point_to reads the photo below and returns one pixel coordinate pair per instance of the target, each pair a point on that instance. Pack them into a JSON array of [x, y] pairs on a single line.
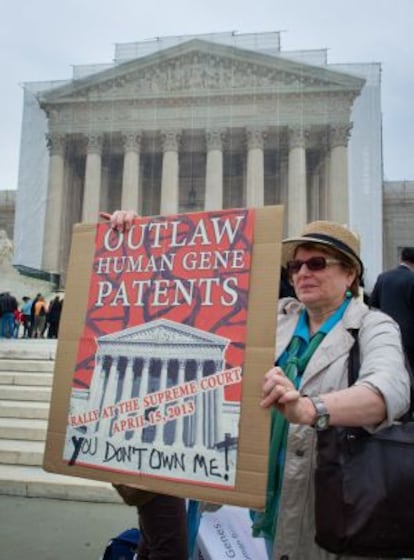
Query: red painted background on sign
[[135, 277]]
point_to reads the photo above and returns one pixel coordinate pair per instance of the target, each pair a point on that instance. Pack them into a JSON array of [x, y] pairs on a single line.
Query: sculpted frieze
[[195, 72]]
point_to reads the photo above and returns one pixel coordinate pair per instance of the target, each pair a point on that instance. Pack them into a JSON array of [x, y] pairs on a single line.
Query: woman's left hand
[[121, 220]]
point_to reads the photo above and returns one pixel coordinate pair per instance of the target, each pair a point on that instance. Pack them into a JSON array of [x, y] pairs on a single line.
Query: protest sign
[[166, 332]]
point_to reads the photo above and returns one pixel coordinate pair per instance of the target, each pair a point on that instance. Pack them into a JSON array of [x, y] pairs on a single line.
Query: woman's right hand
[[121, 220], [277, 389], [280, 392]]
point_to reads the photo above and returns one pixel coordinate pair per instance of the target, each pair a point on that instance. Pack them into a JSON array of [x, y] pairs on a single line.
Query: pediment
[[200, 68], [161, 332]]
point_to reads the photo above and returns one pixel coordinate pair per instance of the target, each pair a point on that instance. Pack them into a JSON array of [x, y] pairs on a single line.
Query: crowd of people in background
[[32, 318]]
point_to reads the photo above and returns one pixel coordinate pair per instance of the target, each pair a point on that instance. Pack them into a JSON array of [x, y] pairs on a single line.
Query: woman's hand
[[279, 391], [121, 220], [277, 388]]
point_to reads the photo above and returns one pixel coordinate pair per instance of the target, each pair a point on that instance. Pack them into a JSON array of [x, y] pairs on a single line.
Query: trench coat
[[382, 367]]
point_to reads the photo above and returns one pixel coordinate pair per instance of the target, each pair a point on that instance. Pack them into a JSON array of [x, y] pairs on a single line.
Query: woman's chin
[[307, 296]]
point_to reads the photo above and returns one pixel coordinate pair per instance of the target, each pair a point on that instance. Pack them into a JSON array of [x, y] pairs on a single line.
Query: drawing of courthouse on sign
[[157, 405]]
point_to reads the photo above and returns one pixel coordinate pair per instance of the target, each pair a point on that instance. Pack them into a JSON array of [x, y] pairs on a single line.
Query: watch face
[[322, 422]]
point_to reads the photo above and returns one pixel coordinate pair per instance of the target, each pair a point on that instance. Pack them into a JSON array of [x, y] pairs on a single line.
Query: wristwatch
[[322, 414]]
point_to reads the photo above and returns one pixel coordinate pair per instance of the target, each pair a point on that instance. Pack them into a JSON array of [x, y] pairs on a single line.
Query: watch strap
[[322, 413]]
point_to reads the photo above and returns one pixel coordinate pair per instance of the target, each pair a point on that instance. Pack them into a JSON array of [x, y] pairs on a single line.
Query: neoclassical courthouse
[[179, 124]]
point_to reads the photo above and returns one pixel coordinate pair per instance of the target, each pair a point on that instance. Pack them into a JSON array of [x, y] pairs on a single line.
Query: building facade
[[200, 123], [398, 220]]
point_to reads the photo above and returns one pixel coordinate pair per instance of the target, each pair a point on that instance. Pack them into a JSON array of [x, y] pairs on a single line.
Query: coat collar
[[336, 343]]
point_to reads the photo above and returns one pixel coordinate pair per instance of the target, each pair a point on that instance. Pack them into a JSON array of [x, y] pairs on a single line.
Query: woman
[[308, 388]]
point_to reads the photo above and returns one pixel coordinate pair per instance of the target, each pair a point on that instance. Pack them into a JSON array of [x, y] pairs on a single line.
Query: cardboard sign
[[157, 382], [165, 336]]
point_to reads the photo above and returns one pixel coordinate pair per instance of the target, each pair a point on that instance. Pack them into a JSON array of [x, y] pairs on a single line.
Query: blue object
[[122, 547]]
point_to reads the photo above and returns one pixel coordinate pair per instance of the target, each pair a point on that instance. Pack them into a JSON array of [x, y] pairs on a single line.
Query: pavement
[[42, 529]]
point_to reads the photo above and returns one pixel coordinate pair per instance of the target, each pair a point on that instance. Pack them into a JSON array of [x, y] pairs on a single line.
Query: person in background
[[17, 322], [40, 311], [8, 305], [162, 519], [393, 293], [53, 317], [307, 389], [162, 523], [32, 314], [46, 325], [26, 309]]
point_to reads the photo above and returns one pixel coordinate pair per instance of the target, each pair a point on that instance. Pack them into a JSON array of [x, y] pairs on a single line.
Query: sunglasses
[[314, 264]]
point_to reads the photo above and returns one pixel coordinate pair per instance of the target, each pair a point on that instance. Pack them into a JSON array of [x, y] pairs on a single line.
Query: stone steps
[[23, 429], [26, 393], [21, 452], [26, 377], [21, 409], [37, 366]]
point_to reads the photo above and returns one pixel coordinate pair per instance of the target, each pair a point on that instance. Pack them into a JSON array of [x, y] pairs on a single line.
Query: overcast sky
[[42, 39]]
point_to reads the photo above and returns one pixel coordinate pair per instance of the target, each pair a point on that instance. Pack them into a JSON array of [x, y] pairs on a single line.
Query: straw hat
[[329, 234]]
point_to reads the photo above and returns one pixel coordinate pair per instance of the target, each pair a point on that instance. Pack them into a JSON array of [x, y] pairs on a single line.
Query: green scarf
[[264, 523]]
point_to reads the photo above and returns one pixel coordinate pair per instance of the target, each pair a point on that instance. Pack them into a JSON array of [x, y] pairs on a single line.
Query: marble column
[[324, 178], [105, 197], [255, 166], [170, 172], [338, 199], [315, 182], [131, 172], [284, 187], [93, 179], [54, 204], [214, 170], [297, 203]]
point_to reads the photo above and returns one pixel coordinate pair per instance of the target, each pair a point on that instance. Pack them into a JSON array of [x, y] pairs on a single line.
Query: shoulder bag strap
[[354, 364]]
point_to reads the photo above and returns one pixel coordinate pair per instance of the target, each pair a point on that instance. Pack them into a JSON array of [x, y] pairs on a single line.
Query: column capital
[[255, 136], [339, 135], [132, 141], [170, 140], [323, 141], [56, 143], [297, 136], [215, 138], [94, 143]]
